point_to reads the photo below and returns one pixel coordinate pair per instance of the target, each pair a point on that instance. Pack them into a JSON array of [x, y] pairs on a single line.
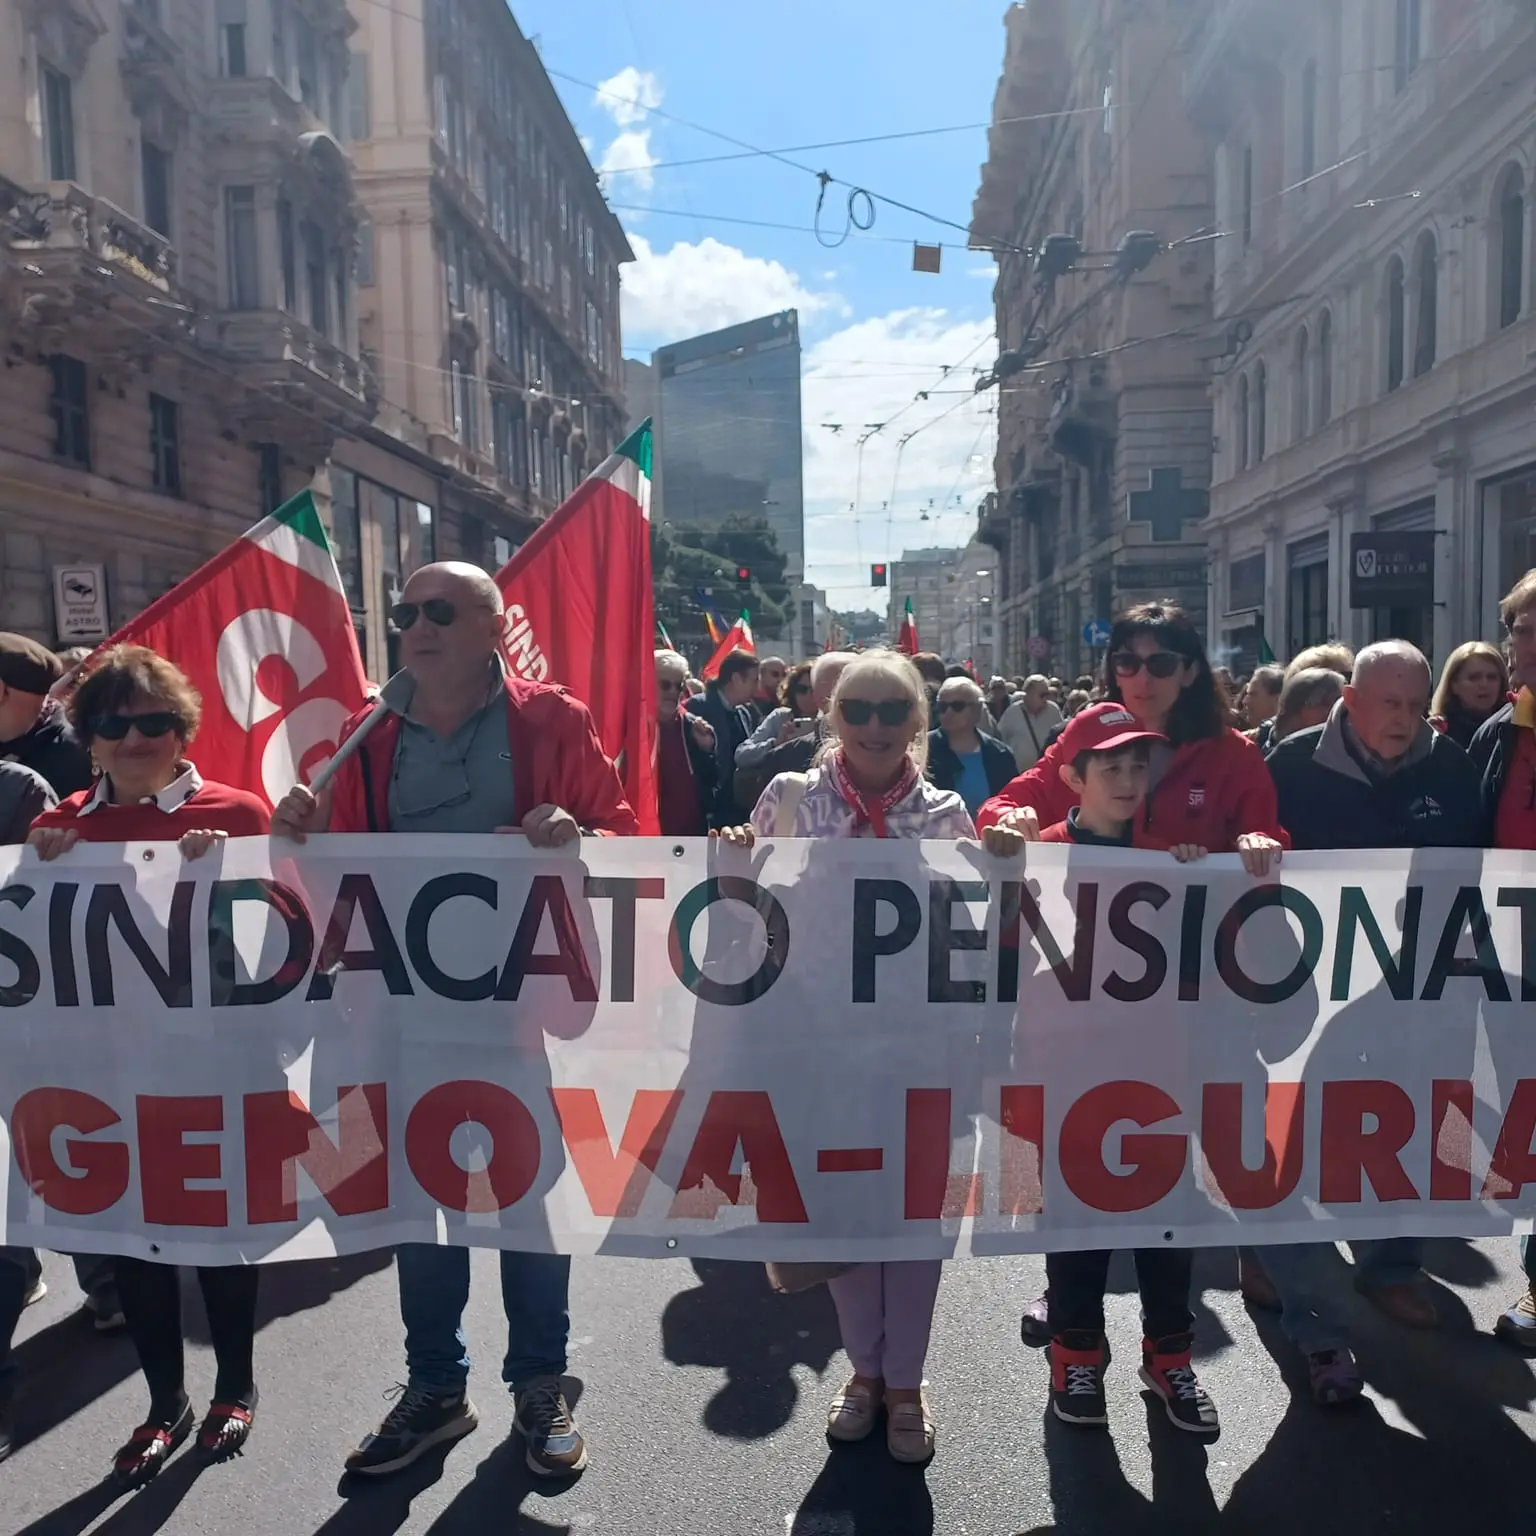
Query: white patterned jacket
[[822, 812]]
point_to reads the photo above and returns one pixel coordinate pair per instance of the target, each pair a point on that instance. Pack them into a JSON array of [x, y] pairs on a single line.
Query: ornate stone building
[[1375, 471], [1094, 176], [177, 302]]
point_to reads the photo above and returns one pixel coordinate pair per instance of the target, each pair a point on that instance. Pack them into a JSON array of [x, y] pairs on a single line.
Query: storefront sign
[[1153, 576], [1391, 570]]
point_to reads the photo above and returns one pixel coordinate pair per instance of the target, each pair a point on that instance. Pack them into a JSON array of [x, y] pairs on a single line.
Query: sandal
[[226, 1427], [148, 1449]]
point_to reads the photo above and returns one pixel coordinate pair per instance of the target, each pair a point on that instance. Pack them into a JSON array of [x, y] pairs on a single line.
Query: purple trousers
[[885, 1312]]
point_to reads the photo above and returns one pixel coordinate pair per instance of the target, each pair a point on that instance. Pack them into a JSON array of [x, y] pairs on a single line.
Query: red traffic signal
[[877, 575], [743, 576]]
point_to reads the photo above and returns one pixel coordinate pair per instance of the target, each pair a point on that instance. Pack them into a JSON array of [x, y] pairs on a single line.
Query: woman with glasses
[[686, 770], [136, 713], [1209, 787], [868, 782]]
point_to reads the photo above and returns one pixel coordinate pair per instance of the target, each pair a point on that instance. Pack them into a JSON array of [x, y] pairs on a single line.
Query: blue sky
[[874, 331]]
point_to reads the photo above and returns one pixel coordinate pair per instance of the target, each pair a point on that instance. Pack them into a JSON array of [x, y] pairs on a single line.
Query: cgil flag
[[264, 632], [579, 612], [906, 639], [737, 638]]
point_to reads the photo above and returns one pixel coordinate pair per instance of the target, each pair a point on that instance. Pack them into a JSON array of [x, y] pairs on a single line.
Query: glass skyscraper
[[729, 441]]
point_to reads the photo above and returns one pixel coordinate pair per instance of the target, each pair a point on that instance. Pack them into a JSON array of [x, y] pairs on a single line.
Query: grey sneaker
[[419, 1420], [543, 1419]]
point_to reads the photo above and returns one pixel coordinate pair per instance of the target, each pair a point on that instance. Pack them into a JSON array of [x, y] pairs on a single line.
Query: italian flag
[[906, 639], [264, 632], [737, 638], [579, 612]]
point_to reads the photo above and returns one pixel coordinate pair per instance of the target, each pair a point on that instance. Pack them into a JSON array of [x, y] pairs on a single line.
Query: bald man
[[471, 749]]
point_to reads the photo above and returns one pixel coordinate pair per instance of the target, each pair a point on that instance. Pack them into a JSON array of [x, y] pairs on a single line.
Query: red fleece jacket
[[1213, 791], [556, 760]]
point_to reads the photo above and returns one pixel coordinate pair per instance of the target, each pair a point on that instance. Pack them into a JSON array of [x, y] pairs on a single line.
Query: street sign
[[1391, 570], [1038, 647], [80, 602], [1096, 634]]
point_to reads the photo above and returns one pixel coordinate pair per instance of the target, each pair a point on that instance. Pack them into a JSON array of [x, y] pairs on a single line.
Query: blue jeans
[[434, 1289], [1313, 1316]]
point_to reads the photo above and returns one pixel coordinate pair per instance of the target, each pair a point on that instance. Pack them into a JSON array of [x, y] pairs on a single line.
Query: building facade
[[729, 431], [1375, 467], [972, 598], [1095, 177], [177, 296], [929, 580], [489, 291]]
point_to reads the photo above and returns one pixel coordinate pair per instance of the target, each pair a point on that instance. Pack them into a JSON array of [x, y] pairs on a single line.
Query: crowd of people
[[1163, 751]]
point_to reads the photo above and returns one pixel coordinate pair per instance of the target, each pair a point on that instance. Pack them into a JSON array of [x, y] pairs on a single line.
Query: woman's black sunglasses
[[438, 609], [1159, 663], [886, 711], [157, 723]]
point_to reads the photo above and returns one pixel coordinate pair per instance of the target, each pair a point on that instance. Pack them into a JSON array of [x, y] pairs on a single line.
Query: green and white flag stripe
[[295, 535]]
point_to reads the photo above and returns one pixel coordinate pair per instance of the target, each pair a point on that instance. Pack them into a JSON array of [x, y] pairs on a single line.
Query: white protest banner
[[815, 1050]]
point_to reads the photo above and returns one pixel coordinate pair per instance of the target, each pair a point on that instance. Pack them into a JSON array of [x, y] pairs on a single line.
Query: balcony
[[74, 260], [293, 373]]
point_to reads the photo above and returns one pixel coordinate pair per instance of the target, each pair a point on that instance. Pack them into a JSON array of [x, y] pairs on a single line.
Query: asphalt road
[[702, 1397]]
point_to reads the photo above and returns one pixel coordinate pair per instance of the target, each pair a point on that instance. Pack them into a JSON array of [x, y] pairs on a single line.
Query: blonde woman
[[868, 782], [1473, 687]]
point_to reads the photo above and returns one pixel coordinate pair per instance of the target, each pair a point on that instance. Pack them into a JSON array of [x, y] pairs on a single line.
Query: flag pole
[[394, 697]]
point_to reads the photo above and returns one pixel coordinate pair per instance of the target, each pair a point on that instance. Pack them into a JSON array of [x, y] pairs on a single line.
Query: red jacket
[[1213, 791], [556, 760]]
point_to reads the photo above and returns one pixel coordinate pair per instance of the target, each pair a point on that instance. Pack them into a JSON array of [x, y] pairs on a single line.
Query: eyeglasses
[[886, 711], [668, 685], [437, 610], [1159, 663], [955, 706], [152, 725]]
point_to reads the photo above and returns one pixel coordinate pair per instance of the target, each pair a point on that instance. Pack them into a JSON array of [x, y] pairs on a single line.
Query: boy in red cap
[[1109, 775]]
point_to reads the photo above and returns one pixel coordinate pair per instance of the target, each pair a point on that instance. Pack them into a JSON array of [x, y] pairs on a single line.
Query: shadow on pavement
[[501, 1484], [862, 1485], [146, 1512], [733, 1321]]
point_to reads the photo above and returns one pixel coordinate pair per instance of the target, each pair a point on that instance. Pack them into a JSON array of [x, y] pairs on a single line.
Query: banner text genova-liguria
[[818, 1050]]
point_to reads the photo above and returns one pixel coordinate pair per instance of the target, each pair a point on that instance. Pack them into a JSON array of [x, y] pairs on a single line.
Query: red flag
[[579, 612], [264, 632], [737, 638], [906, 640]]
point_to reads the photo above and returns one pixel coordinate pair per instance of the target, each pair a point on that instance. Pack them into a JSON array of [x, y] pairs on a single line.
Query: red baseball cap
[[1102, 728]]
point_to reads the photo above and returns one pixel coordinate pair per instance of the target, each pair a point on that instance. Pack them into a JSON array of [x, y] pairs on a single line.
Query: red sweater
[[556, 760], [212, 808], [1212, 791]]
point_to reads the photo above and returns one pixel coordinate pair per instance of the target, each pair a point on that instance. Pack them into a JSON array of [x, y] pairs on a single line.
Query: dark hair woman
[[1209, 783], [795, 691], [135, 713]]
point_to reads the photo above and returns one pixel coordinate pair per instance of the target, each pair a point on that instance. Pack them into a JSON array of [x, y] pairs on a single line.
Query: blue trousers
[[434, 1290], [1313, 1316]]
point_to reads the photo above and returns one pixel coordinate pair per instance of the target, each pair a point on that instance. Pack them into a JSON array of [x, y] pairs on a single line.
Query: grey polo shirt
[[457, 783]]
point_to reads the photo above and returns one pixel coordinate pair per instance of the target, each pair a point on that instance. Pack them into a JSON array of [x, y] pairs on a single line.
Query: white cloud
[[689, 289], [866, 373], [630, 153], [629, 96]]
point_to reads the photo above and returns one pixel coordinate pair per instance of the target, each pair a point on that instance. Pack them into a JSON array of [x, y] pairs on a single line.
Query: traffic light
[[743, 578], [877, 575]]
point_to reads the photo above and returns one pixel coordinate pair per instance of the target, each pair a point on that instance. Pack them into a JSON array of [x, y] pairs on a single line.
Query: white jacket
[[1026, 734]]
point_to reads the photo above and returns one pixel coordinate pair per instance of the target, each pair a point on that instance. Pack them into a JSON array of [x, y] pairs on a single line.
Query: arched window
[[1509, 246], [1325, 368], [1301, 388], [1395, 299], [1242, 422], [1260, 413], [1426, 282]]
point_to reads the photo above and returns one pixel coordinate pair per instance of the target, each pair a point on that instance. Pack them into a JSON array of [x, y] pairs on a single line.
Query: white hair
[[1384, 651], [961, 685], [890, 666], [1036, 678], [672, 663], [826, 662]]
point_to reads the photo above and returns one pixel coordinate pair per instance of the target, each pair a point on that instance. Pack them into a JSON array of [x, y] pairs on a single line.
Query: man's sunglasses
[[1159, 663], [438, 610], [668, 685], [886, 711], [158, 722], [955, 706]]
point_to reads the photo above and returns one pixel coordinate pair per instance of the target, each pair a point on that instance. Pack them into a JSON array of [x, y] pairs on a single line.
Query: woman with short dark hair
[[136, 713]]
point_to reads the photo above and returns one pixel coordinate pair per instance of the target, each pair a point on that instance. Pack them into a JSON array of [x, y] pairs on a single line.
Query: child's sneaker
[[1166, 1370], [1077, 1378]]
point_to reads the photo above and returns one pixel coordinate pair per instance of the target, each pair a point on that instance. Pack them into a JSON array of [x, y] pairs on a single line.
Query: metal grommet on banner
[[671, 1242], [154, 1247], [147, 855], [1167, 1237], [677, 850]]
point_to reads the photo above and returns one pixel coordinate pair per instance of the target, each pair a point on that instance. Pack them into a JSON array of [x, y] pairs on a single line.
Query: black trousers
[[151, 1297], [1076, 1281]]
